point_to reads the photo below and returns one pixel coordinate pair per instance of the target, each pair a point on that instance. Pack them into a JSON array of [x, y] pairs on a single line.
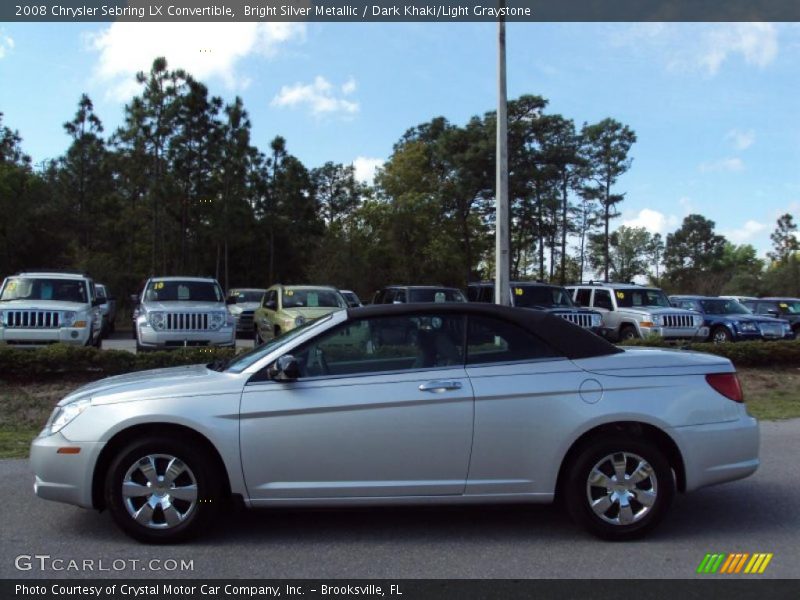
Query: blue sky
[[715, 106]]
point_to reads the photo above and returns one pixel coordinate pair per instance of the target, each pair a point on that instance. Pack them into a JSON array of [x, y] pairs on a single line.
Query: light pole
[[502, 245]]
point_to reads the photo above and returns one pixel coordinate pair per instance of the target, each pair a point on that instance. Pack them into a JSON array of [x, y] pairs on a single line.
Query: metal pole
[[502, 264]]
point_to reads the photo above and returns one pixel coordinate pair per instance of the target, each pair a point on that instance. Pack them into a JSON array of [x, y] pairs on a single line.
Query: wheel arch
[[636, 430], [125, 436]]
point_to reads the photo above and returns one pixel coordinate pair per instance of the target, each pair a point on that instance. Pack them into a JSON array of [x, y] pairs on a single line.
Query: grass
[[771, 394]]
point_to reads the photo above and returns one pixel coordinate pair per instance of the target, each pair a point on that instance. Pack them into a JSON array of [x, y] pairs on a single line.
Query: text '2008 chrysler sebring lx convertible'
[[404, 404]]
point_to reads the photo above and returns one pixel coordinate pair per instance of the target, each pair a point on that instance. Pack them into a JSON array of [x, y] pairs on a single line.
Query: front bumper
[[64, 477], [719, 452], [18, 336], [677, 333], [150, 338]]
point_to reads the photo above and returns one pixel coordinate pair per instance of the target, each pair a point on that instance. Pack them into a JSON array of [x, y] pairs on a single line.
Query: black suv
[[540, 296], [783, 308]]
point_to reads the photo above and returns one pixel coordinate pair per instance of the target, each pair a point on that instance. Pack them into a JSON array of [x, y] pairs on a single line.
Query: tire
[[721, 335], [162, 516], [628, 332], [257, 341], [276, 332], [592, 473]]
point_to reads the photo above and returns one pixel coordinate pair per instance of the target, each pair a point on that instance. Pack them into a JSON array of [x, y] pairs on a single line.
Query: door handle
[[439, 386]]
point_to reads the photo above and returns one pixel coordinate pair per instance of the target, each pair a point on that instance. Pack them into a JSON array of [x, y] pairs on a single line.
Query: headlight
[[68, 318], [300, 320], [217, 319], [698, 321], [63, 415], [597, 320], [658, 320], [2, 318], [787, 327], [746, 326], [156, 319]]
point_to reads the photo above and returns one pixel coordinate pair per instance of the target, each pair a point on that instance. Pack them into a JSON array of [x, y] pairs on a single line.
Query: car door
[[364, 419], [523, 392]]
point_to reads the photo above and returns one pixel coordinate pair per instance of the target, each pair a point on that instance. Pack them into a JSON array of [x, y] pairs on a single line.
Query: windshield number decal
[[158, 285], [621, 295], [518, 291]]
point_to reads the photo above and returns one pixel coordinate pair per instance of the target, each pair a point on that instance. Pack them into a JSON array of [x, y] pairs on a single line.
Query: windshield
[[723, 307], [790, 306], [631, 298], [532, 296], [436, 295], [242, 361], [352, 299], [34, 288], [312, 298], [182, 291], [243, 296]]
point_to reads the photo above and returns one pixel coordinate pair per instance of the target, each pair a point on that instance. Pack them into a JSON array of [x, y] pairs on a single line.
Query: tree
[[655, 252], [628, 252], [691, 254], [605, 147], [338, 192], [784, 239], [10, 150]]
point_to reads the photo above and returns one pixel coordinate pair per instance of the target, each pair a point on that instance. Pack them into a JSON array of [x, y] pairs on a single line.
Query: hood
[[184, 306], [43, 305], [658, 310], [157, 383], [651, 362], [310, 312], [243, 306], [566, 310], [746, 318]]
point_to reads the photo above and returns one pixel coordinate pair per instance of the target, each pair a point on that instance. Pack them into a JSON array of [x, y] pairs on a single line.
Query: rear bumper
[[719, 452], [64, 477]]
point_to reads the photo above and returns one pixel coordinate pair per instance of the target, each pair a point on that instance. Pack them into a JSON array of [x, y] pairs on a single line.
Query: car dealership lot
[[758, 514]]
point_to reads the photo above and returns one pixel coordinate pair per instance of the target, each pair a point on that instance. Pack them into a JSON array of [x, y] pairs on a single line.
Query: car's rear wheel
[[162, 490], [618, 488], [628, 332], [721, 335]]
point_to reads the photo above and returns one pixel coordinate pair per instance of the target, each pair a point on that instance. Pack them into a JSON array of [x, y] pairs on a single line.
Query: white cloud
[[6, 44], [365, 168], [320, 97], [653, 220], [205, 50], [757, 43], [741, 140], [729, 165], [746, 232]]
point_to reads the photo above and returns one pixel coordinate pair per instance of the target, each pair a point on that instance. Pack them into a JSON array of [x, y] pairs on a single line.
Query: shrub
[[78, 362], [742, 354]]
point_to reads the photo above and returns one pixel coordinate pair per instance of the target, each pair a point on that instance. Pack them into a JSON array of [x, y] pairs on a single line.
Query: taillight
[[726, 384]]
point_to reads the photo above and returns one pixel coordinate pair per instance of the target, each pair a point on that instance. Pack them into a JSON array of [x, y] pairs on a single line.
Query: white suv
[[42, 308], [183, 311]]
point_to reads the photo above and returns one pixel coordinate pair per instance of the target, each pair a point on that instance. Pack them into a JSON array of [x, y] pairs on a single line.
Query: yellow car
[[285, 307]]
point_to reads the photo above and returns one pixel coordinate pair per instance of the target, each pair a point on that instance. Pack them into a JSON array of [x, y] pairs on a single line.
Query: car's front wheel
[[618, 488], [721, 335], [162, 490]]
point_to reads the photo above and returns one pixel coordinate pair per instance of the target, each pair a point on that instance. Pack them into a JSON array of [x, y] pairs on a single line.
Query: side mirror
[[230, 300], [285, 369], [134, 298]]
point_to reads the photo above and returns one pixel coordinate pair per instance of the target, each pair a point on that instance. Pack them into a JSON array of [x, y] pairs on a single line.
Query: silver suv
[[41, 308], [183, 311], [632, 311]]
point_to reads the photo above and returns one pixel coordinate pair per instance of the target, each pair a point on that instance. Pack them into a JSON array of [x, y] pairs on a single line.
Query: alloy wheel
[[621, 488], [159, 491]]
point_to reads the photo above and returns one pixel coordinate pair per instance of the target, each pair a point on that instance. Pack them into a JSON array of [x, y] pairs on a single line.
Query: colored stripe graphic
[[735, 563]]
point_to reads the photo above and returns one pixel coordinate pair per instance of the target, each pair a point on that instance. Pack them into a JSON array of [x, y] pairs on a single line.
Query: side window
[[271, 296], [400, 296], [473, 293], [491, 340], [583, 297], [385, 344], [602, 299]]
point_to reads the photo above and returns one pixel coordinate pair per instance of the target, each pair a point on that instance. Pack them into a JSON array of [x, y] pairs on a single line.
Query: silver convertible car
[[404, 404]]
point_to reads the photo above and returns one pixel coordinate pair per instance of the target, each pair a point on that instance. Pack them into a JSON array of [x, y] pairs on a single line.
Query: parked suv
[[242, 303], [541, 296], [632, 311], [183, 311], [402, 294], [41, 308], [730, 321], [783, 308], [108, 309]]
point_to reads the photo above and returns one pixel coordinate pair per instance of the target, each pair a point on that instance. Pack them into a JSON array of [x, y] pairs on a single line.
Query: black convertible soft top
[[570, 340]]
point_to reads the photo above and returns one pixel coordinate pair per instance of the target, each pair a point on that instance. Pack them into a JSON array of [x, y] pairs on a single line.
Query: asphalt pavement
[[758, 514]]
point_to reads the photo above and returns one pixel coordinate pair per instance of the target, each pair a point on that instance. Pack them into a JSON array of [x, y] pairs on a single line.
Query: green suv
[[285, 307]]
